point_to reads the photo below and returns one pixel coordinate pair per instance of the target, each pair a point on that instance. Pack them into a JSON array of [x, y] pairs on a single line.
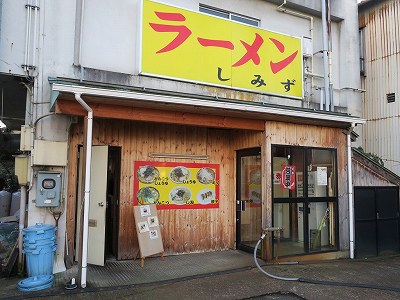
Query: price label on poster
[[176, 185]]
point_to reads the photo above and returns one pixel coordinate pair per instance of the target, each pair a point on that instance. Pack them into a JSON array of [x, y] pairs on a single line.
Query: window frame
[[361, 35], [225, 14]]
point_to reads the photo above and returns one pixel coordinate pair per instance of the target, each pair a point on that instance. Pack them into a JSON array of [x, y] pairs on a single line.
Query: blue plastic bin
[[40, 261], [40, 244], [39, 249], [36, 283], [38, 232]]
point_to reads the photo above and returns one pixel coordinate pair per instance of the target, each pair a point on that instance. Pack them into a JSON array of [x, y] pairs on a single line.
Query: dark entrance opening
[[112, 212], [376, 212]]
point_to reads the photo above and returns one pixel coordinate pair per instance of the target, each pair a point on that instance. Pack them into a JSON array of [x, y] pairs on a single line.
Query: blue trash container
[[39, 249], [38, 232], [36, 283]]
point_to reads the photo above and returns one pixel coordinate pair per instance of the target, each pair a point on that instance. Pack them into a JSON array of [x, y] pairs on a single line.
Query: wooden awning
[[126, 104]]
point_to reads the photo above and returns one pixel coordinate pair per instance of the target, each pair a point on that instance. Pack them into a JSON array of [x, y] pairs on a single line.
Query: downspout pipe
[[87, 188], [328, 17], [325, 53], [28, 34], [22, 209], [350, 191]]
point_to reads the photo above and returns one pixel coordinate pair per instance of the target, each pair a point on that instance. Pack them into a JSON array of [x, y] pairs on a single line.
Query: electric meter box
[[48, 189]]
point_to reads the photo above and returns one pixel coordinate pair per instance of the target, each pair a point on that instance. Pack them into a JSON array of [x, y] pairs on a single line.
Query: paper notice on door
[[322, 176]]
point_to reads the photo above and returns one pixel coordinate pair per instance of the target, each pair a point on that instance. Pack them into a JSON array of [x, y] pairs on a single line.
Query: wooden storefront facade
[[139, 131]]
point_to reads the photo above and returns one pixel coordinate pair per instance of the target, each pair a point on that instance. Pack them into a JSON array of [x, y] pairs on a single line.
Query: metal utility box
[[25, 142], [21, 169], [48, 189], [49, 153]]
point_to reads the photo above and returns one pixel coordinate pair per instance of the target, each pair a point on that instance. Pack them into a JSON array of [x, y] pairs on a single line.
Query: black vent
[[391, 97]]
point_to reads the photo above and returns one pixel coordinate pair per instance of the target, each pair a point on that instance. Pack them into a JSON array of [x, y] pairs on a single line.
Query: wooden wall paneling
[[128, 243], [135, 141], [273, 132], [305, 136], [342, 190], [290, 134], [71, 189], [220, 152], [246, 139], [179, 139], [266, 202], [153, 135], [270, 138], [182, 230], [326, 137], [363, 176]]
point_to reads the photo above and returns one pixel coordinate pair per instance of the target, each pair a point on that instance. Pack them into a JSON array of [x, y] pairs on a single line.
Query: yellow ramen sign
[[192, 46]]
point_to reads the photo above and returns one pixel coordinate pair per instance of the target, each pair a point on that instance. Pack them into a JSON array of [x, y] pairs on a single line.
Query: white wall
[[110, 35], [12, 36]]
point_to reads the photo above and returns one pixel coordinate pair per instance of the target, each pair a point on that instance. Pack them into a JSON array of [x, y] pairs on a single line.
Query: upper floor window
[[229, 15], [361, 33]]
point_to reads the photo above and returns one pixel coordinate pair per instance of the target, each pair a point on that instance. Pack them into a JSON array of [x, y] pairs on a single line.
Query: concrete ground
[[226, 275]]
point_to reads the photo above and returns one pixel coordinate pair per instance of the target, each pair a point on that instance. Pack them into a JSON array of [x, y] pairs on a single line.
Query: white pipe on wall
[[28, 33], [87, 188], [35, 20], [321, 99], [325, 54], [350, 192], [328, 7], [22, 209]]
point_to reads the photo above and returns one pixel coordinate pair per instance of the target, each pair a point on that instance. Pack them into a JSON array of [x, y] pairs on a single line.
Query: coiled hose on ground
[[323, 282]]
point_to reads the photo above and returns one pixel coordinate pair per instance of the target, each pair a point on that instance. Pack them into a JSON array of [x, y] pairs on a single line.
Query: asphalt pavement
[[376, 278]]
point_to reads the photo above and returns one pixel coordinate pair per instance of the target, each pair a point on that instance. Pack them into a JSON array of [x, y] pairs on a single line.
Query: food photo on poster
[[172, 185]]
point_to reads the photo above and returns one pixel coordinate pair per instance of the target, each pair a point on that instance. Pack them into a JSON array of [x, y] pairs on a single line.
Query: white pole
[[22, 208], [350, 191], [325, 54], [27, 30], [35, 37], [87, 189]]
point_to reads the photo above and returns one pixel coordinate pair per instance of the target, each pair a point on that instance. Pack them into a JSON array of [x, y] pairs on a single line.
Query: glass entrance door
[[248, 198]]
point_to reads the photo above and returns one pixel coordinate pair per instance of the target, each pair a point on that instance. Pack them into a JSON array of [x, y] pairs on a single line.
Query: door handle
[[101, 204]]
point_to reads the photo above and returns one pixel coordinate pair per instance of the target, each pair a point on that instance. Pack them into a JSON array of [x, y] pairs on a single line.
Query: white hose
[[266, 273]]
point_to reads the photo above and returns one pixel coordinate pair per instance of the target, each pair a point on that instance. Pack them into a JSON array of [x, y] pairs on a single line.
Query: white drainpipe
[[87, 188], [325, 53], [28, 34], [350, 191], [36, 9], [22, 209]]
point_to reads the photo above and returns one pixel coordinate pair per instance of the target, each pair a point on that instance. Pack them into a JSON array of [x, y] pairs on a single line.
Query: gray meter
[[48, 189]]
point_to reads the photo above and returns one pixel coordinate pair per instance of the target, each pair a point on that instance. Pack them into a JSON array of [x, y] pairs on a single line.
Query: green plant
[[372, 156], [8, 180]]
